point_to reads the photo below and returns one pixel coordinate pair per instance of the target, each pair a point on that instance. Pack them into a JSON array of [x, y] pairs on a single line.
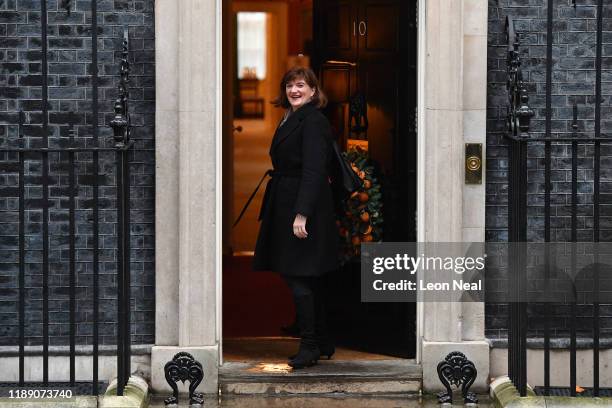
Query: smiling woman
[[298, 237]]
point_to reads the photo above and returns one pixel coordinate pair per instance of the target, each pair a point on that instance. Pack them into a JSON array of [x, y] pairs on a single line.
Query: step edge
[[311, 379], [330, 388]]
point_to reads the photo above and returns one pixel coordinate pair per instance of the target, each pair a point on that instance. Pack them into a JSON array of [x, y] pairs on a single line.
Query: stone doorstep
[[317, 401], [350, 377]]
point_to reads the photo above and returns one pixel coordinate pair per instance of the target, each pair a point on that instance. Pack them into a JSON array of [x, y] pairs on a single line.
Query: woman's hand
[[299, 226]]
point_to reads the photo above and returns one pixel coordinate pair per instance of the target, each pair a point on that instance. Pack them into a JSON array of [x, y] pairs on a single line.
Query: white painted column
[[453, 74], [166, 174], [197, 114], [186, 77], [475, 13], [443, 147]]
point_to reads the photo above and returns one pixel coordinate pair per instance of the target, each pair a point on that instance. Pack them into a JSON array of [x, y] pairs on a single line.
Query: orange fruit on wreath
[[355, 240], [367, 238], [367, 183], [364, 216], [363, 197]]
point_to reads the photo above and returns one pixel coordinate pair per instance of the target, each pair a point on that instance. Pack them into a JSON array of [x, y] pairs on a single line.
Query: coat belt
[[284, 172], [275, 174]]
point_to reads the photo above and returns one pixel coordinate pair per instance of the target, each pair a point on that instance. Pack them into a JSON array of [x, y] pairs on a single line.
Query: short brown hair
[[318, 99]]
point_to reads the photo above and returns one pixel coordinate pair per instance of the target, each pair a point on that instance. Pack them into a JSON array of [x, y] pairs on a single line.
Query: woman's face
[[298, 92]]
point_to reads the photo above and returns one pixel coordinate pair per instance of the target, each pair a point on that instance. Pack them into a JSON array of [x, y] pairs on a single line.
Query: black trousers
[[309, 300], [303, 285]]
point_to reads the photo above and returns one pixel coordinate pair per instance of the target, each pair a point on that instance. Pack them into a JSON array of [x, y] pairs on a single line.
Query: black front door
[[367, 49]]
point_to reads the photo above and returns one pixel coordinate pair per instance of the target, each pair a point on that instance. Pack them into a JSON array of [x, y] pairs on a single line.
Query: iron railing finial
[[519, 112], [121, 123]]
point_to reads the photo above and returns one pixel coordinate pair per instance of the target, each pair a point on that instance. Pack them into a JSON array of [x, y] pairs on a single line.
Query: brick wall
[[573, 81], [70, 101]]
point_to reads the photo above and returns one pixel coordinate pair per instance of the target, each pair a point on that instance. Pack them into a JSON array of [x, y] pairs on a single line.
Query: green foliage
[[362, 219]]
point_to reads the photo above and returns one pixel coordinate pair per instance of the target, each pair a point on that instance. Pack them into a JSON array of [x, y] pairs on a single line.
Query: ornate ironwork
[[457, 370], [358, 114], [67, 4], [183, 367], [519, 112], [121, 123]]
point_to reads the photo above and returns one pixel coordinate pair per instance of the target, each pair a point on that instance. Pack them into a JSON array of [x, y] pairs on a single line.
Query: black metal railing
[[60, 153], [520, 142]]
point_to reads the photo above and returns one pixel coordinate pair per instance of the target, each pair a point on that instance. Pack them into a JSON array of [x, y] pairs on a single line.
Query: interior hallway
[[251, 160]]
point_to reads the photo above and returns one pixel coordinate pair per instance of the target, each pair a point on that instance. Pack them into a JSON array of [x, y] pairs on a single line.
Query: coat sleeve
[[315, 135]]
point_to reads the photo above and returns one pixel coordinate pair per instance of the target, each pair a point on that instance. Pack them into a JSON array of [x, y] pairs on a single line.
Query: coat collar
[[291, 124]]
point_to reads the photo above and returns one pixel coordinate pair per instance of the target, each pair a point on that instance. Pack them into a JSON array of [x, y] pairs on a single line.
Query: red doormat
[[254, 303]]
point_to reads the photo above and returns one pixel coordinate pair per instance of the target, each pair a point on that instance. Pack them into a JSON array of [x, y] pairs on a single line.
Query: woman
[[298, 237]]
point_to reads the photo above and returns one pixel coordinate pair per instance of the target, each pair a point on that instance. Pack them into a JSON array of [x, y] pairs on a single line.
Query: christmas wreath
[[361, 219]]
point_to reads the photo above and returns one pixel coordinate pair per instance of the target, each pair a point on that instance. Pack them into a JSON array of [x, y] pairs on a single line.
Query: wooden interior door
[[335, 26], [387, 77], [379, 59]]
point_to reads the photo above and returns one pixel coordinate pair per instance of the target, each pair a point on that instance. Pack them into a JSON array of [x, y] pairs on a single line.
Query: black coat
[[301, 156]]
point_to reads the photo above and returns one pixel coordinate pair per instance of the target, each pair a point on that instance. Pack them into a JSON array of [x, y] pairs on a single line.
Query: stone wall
[[70, 101], [573, 78]]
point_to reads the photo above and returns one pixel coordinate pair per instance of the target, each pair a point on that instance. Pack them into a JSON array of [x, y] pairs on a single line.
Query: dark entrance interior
[[364, 52]]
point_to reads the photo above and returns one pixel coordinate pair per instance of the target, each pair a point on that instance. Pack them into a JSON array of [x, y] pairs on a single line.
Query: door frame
[[226, 164], [189, 109], [420, 221]]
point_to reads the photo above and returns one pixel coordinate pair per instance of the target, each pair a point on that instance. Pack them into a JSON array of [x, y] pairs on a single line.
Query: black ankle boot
[[308, 353], [323, 339], [326, 346], [327, 349], [307, 356]]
